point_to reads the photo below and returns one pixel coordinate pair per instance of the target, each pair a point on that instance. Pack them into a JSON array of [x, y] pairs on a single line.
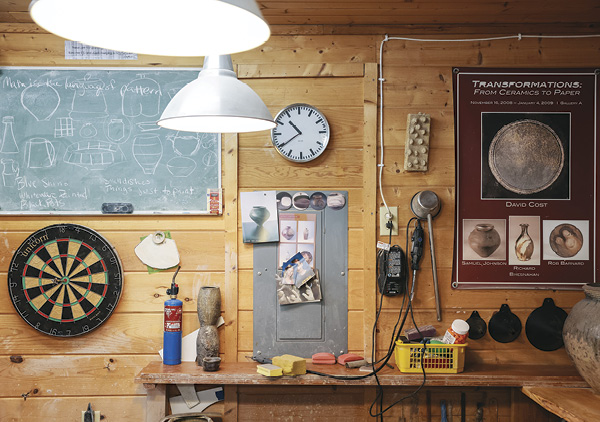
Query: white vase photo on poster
[[533, 229], [259, 217], [306, 231], [566, 240]]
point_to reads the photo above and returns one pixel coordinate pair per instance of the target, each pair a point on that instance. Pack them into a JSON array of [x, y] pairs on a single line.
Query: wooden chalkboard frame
[[57, 121]]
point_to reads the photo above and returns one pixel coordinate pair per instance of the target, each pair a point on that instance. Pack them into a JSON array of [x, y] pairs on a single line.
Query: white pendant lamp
[[217, 102], [157, 27]]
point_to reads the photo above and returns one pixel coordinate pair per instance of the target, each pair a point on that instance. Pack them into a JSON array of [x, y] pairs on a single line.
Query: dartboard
[[65, 280]]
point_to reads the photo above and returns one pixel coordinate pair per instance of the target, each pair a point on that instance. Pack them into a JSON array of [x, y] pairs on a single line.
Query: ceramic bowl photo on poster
[[525, 155], [566, 240], [306, 231], [259, 217], [336, 201], [484, 240], [284, 201], [308, 252], [301, 201], [289, 231], [524, 240], [318, 201]]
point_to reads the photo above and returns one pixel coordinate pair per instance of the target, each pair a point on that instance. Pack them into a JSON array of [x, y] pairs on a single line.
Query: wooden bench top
[[244, 373]]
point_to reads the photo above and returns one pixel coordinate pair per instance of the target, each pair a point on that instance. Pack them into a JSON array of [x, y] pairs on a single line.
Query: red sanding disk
[[323, 359], [348, 357]]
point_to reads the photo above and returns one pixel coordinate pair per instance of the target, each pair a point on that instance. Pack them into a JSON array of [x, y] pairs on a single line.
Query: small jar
[[457, 333]]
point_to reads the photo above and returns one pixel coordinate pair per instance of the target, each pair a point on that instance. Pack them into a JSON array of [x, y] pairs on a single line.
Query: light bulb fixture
[[157, 27], [217, 102]]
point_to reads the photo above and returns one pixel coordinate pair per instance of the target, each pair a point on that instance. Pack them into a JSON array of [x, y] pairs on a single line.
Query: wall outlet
[[383, 230]]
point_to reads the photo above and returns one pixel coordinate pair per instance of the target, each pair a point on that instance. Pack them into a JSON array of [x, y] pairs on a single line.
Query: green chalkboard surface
[[74, 139]]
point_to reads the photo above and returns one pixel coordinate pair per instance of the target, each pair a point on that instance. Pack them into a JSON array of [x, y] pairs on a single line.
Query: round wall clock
[[65, 280], [301, 134]]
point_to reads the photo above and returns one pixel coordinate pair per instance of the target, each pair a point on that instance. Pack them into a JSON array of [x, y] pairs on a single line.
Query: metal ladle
[[427, 205]]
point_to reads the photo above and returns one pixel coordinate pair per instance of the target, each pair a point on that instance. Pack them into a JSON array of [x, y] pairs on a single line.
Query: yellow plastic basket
[[437, 358]]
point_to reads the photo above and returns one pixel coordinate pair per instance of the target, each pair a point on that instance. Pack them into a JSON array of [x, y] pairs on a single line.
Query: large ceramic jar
[[484, 240], [581, 334], [209, 310]]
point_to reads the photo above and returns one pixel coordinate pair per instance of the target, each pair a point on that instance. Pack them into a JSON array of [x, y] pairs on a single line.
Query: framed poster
[[526, 179]]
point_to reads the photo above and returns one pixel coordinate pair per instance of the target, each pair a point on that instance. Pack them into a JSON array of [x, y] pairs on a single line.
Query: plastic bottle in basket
[[457, 333]]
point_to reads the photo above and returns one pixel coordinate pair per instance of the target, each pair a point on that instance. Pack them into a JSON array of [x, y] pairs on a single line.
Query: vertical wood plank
[[369, 199], [230, 199], [230, 413], [156, 400]]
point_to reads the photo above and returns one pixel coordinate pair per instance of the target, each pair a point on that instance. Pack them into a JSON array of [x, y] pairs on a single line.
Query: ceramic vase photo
[[484, 240], [524, 244], [259, 214], [209, 310], [581, 334]]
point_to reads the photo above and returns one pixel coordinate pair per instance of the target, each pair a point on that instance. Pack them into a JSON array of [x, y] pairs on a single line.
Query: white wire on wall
[[382, 80]]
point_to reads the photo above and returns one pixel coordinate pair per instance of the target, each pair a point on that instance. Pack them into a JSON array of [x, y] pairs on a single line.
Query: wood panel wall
[[54, 379]]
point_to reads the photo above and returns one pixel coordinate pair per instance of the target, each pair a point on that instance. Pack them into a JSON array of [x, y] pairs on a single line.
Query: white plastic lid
[[460, 327]]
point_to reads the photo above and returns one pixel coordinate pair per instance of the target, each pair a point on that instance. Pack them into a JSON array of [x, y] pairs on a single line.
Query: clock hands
[[293, 137], [295, 127], [289, 140]]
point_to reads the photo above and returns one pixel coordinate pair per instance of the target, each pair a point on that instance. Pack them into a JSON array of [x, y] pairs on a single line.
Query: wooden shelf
[[241, 373], [571, 404]]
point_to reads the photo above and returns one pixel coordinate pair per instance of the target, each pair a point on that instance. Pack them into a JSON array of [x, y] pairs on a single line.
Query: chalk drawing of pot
[[181, 166], [39, 153], [147, 152], [40, 101]]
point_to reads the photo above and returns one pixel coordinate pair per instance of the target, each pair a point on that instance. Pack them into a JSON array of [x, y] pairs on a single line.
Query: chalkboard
[[74, 139]]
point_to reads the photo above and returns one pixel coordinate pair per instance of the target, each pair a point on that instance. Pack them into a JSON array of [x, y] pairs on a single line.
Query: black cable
[[394, 339]]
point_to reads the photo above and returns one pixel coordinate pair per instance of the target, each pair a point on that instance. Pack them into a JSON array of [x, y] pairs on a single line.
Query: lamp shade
[[217, 102], [157, 27]]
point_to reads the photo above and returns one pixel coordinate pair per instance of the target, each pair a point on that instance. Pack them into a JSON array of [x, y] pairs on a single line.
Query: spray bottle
[[172, 334]]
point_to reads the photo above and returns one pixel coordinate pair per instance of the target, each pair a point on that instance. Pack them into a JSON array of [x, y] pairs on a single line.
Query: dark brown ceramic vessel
[[484, 240], [581, 334]]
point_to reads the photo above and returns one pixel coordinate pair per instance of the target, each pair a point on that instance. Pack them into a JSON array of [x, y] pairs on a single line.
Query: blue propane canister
[[172, 319]]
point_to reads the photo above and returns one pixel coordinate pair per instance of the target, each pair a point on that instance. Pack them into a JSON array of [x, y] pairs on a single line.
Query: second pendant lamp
[[217, 102], [157, 27]]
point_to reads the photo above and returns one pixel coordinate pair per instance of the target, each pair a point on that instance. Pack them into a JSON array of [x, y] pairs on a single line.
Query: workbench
[[533, 380]]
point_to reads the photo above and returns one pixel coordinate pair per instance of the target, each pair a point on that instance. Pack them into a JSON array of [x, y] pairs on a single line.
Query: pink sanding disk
[[323, 359], [348, 357]]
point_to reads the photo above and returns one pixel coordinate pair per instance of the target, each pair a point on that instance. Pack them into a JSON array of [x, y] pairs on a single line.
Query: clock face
[[65, 280], [301, 134]]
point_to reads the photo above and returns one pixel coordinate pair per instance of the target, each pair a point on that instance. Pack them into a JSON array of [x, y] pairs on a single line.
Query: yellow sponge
[[291, 365], [269, 370]]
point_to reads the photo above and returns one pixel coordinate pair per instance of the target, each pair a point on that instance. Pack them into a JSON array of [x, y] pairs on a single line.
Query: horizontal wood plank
[[121, 408], [210, 243], [63, 375], [148, 223], [332, 168], [311, 70], [123, 333], [143, 292]]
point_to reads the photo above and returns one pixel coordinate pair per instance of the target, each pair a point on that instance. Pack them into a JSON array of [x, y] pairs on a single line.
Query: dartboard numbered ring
[[65, 280]]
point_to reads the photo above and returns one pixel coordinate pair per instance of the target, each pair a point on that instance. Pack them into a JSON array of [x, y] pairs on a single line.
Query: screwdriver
[[416, 253]]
